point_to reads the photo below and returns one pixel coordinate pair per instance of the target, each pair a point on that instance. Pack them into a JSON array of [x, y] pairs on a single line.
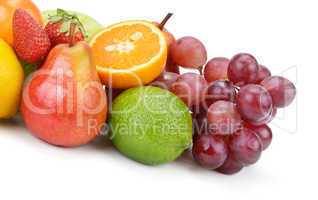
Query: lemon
[[150, 125], [11, 81]]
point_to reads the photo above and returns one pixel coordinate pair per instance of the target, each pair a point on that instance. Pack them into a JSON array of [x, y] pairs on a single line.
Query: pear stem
[[72, 34], [164, 21]]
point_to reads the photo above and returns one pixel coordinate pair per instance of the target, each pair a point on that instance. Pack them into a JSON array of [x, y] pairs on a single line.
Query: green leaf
[[65, 27], [60, 12], [54, 19], [28, 68]]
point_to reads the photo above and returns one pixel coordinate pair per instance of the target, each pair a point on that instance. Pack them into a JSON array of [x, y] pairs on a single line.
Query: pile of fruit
[[83, 80]]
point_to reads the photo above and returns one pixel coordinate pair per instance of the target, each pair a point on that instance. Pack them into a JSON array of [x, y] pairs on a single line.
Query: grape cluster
[[231, 100]]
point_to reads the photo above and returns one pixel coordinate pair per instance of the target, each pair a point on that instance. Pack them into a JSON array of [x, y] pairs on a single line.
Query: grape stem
[[201, 70], [237, 88], [164, 21]]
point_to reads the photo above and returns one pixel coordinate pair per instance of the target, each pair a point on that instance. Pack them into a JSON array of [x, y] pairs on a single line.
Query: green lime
[[150, 125], [91, 25]]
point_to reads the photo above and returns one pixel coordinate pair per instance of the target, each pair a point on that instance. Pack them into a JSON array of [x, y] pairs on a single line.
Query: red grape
[[243, 69], [198, 109], [223, 118], [273, 115], [263, 73], [230, 166], [281, 89], [254, 104], [188, 52], [210, 151], [246, 146], [111, 96], [220, 90], [263, 132], [200, 122], [190, 87], [113, 93], [216, 69], [165, 80], [268, 119], [172, 67]]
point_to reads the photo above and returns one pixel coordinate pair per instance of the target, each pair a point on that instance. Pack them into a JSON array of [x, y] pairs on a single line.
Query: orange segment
[[129, 54]]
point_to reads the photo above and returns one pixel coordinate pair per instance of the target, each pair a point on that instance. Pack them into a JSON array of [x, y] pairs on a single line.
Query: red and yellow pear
[[64, 102]]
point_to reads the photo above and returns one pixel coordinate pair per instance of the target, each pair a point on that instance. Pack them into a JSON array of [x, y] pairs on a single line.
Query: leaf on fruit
[[28, 68], [55, 18], [61, 12], [65, 27], [67, 19]]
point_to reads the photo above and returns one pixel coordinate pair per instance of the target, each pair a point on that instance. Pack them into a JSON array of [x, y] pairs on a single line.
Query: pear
[[64, 102], [11, 81]]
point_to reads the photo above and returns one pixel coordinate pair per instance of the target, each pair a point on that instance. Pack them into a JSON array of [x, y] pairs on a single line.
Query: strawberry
[[30, 41], [59, 28]]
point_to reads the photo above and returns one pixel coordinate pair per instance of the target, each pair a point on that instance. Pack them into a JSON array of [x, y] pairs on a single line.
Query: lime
[[150, 125], [91, 25]]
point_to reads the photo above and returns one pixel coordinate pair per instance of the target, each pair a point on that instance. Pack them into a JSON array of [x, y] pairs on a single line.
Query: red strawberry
[[30, 41], [59, 28]]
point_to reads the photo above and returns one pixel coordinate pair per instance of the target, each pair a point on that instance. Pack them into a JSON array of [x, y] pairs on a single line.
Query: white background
[[282, 34]]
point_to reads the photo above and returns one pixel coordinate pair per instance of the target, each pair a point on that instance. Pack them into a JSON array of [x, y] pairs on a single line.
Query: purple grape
[[188, 52], [246, 146], [230, 166], [210, 151], [283, 91], [254, 104], [220, 90], [190, 87], [263, 132], [243, 69], [223, 118]]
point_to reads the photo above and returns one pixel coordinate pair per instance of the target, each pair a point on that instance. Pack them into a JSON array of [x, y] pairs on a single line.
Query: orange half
[[129, 54]]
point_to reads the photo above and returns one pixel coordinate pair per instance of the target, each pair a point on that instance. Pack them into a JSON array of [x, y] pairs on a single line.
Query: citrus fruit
[[129, 54], [11, 80], [150, 125], [91, 25], [7, 9]]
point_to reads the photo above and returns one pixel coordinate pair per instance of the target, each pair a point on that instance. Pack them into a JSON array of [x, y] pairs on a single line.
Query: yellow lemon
[[11, 81]]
